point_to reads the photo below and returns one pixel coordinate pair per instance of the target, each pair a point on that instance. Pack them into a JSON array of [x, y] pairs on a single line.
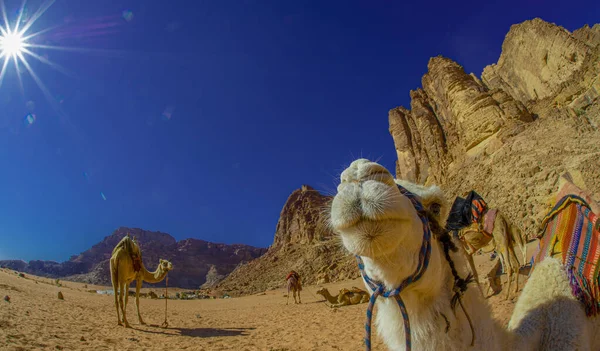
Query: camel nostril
[[374, 171], [359, 162]]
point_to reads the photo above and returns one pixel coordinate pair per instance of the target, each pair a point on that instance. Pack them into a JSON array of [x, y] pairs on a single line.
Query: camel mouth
[[371, 238], [370, 201], [362, 222]]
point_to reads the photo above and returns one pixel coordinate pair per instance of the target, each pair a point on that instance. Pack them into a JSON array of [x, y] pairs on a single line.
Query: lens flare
[[30, 119]]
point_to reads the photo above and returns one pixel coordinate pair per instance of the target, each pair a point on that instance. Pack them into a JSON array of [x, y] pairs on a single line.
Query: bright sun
[[11, 44], [16, 44]]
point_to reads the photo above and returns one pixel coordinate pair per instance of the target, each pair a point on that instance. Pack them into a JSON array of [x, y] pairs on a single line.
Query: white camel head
[[374, 218]]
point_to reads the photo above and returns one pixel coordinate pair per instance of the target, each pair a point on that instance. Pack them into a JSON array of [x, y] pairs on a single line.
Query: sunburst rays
[[16, 45]]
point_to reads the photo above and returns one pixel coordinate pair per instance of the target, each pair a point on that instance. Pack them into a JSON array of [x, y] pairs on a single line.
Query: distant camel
[[293, 284], [126, 266], [345, 297]]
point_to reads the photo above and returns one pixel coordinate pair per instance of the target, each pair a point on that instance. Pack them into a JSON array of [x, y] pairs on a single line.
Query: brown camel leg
[[138, 286], [474, 271], [492, 277], [115, 281], [121, 292], [508, 270], [288, 297], [515, 265], [294, 291], [126, 296], [299, 299]]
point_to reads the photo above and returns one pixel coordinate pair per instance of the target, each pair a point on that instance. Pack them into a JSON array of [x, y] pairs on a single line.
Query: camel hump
[[357, 290], [128, 245]]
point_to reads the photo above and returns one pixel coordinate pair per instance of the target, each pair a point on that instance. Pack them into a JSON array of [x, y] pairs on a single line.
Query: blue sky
[[199, 118]]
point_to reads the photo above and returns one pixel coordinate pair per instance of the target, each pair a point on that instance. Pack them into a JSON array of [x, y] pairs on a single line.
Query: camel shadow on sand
[[199, 332]]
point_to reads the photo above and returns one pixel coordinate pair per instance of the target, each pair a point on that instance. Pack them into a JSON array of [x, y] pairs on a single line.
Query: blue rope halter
[[379, 289]]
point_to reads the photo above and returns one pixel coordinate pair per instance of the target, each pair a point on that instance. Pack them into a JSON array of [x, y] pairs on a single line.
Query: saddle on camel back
[[296, 276], [131, 246], [570, 232], [472, 214]]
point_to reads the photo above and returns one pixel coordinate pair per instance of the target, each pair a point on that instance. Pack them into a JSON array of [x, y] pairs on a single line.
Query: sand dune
[[36, 319]]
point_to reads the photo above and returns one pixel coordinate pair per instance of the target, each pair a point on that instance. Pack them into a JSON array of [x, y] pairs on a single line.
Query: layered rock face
[[544, 65], [303, 242], [510, 134], [452, 114], [192, 259]]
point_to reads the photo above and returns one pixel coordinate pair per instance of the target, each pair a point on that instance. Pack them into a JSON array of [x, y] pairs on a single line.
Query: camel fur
[[378, 223], [126, 257], [345, 297]]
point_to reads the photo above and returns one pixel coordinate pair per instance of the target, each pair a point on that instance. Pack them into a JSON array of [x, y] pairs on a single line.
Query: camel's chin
[[370, 238]]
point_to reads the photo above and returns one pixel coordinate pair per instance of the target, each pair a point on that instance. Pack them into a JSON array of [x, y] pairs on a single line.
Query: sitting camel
[[345, 297], [417, 272], [491, 232], [125, 266], [295, 285]]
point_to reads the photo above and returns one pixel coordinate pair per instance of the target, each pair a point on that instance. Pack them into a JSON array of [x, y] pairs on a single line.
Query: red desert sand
[[35, 319]]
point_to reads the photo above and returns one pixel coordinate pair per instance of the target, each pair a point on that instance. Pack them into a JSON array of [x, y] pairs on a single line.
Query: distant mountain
[[192, 259], [303, 242]]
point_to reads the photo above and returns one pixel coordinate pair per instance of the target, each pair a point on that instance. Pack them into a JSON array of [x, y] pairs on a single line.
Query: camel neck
[[329, 297], [152, 277], [428, 302]]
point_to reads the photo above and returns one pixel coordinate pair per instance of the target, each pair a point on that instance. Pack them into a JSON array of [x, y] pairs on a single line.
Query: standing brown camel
[[503, 239], [126, 266], [479, 227], [295, 285]]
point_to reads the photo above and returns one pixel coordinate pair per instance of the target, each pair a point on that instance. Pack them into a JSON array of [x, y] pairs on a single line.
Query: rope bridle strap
[[378, 288]]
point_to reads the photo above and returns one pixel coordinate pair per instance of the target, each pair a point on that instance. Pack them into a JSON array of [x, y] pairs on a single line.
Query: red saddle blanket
[[488, 221], [137, 263]]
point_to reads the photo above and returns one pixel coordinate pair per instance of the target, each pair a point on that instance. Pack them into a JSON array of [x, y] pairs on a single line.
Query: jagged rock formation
[[508, 135], [192, 259], [212, 278], [303, 242], [452, 114], [300, 221], [543, 65]]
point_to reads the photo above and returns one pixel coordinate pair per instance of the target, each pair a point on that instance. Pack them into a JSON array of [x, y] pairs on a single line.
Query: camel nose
[[362, 170]]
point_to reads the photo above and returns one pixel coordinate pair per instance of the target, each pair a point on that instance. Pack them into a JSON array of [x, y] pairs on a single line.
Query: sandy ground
[[36, 319]]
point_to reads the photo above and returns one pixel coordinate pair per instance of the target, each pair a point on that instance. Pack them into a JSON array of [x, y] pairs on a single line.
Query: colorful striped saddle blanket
[[571, 231]]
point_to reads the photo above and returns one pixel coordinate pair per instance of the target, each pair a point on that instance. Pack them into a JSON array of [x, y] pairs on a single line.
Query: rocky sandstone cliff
[[508, 135], [194, 260], [531, 116], [303, 242]]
